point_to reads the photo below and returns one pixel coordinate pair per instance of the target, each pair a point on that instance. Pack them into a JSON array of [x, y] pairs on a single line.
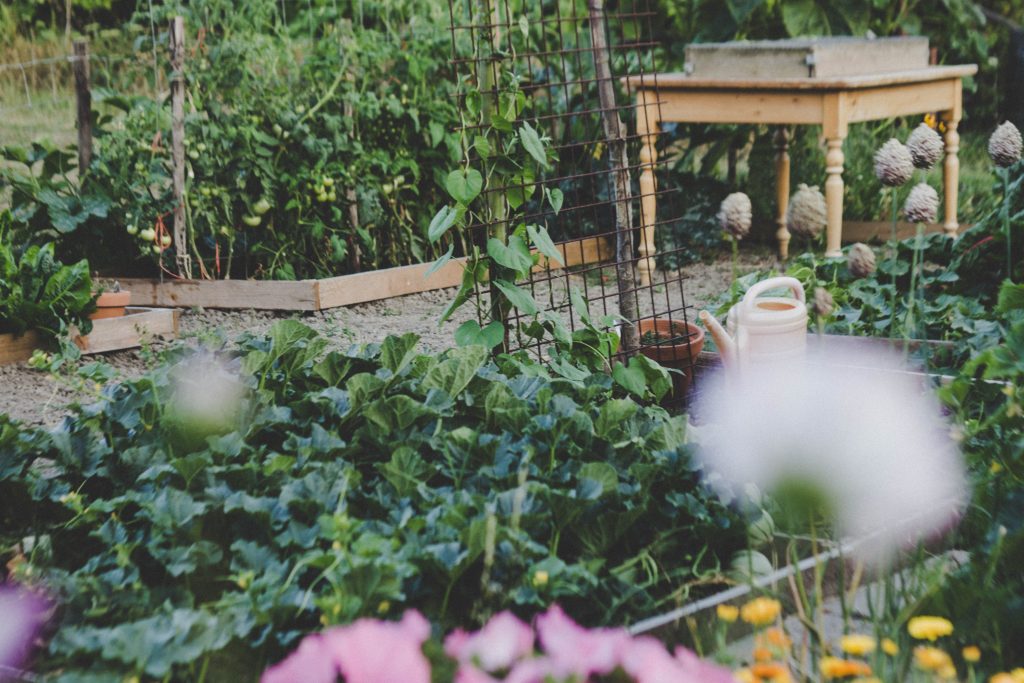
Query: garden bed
[[108, 334], [326, 293]]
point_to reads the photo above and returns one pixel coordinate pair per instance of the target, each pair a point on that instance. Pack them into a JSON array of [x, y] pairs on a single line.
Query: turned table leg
[[951, 176], [782, 189], [834, 197], [648, 199]]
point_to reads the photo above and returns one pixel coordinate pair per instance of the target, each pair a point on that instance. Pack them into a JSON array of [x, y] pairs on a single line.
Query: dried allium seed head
[[922, 204], [735, 215], [925, 146], [823, 302], [1005, 145], [860, 260], [893, 163], [806, 214]]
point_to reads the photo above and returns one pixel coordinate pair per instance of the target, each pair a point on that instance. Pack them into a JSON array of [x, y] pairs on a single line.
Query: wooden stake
[[618, 162], [84, 99], [178, 144]]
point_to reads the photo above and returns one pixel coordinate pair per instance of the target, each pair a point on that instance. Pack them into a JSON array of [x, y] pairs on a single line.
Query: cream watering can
[[762, 329]]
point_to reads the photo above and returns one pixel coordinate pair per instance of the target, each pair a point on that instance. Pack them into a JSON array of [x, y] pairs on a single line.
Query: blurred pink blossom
[[497, 646], [578, 650], [310, 663], [23, 614]]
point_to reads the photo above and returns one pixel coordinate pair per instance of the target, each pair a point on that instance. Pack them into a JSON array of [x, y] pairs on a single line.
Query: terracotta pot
[[111, 305], [678, 356]]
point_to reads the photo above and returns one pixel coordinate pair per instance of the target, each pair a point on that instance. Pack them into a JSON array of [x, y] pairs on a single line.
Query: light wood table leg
[[834, 197], [648, 129], [951, 176], [782, 189]]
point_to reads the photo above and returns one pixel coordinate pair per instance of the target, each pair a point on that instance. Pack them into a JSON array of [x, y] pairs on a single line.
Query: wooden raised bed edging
[[333, 292], [108, 334]]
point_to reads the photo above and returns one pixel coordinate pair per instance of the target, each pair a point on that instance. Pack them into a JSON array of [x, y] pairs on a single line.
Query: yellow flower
[[971, 654], [834, 667], [890, 647], [1017, 675], [727, 613], [540, 578], [857, 644], [929, 628], [776, 638], [932, 659], [1001, 678], [744, 676], [761, 611]]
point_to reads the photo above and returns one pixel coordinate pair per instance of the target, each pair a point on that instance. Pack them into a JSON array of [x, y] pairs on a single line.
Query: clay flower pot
[[111, 305], [675, 344]]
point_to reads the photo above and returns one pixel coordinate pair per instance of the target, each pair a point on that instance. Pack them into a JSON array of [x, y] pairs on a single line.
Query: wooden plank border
[[108, 334], [333, 292]]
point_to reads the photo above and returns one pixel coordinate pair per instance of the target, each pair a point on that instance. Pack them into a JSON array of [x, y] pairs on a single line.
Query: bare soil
[[38, 398]]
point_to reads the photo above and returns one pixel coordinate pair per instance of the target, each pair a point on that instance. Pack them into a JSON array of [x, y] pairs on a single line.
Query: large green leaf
[[805, 18], [464, 185], [515, 255], [517, 296], [532, 144]]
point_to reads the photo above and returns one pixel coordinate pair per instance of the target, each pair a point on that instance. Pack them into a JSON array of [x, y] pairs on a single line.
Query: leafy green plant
[[345, 485], [38, 292]]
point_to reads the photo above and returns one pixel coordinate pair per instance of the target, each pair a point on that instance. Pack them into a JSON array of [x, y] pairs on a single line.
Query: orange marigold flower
[[1002, 677], [776, 637], [971, 653], [929, 628], [762, 654], [857, 644], [761, 611], [727, 613], [834, 667], [771, 671]]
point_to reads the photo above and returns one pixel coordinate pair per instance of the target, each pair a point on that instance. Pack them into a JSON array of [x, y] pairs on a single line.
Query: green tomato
[[225, 230], [139, 167], [300, 109], [193, 155], [205, 191], [165, 241], [277, 129], [147, 235], [251, 221], [321, 197], [332, 196], [262, 206], [327, 181], [132, 229], [201, 147]]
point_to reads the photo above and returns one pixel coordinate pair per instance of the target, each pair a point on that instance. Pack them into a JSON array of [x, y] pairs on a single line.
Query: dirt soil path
[[38, 398]]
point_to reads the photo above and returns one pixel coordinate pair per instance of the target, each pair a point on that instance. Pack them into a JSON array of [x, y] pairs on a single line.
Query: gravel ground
[[38, 398]]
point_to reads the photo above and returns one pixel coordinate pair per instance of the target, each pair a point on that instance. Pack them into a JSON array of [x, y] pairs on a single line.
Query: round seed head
[[735, 215], [823, 302], [893, 163], [1004, 146], [922, 204], [806, 215], [925, 146], [860, 260]]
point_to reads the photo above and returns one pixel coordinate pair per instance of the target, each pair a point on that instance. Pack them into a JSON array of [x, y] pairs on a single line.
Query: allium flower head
[[860, 260], [735, 215], [893, 163], [823, 302], [868, 439], [922, 205], [925, 146], [806, 214], [1004, 146]]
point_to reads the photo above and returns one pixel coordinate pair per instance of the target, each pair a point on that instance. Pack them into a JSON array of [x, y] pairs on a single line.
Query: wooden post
[[177, 39], [781, 140], [835, 128], [84, 98], [618, 163], [647, 129], [951, 163]]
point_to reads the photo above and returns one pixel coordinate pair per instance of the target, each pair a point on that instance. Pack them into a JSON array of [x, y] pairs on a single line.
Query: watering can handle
[[774, 283]]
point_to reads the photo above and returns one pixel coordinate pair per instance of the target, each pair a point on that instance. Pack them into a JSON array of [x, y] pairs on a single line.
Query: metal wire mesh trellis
[[568, 59]]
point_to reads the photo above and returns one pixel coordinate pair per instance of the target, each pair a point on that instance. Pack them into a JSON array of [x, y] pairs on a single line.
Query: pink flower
[[22, 613], [647, 661], [700, 670], [579, 651], [310, 663], [371, 651], [498, 645]]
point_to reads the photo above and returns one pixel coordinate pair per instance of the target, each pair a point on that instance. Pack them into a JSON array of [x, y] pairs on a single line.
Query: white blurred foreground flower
[[868, 439], [21, 615], [207, 394]]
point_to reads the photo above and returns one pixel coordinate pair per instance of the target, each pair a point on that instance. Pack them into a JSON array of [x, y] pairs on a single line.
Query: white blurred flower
[[870, 440], [206, 394], [23, 614]]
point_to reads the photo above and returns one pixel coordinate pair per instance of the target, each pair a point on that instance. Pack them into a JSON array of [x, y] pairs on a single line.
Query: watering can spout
[[726, 345]]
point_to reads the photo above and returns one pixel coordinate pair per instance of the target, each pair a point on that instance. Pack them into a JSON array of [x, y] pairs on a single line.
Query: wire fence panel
[[550, 51]]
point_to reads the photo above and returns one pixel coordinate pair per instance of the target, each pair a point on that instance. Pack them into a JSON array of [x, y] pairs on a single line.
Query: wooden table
[[832, 103]]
